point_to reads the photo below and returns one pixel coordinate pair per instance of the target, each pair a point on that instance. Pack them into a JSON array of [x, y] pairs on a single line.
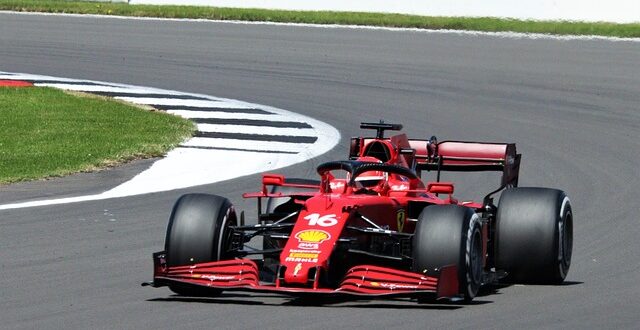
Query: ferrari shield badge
[[400, 218]]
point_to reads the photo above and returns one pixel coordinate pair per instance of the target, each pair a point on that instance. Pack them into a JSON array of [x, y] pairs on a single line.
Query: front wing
[[362, 280]]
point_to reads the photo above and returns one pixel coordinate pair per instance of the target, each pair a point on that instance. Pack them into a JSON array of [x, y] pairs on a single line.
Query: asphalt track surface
[[571, 106]]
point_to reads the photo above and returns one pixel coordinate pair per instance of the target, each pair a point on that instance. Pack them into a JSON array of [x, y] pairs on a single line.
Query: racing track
[[572, 107]]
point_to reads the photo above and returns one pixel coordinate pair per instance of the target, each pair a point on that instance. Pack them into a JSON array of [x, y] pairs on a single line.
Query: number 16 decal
[[323, 221]]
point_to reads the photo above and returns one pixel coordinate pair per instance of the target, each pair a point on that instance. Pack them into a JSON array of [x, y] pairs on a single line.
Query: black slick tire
[[450, 235], [197, 233], [534, 235]]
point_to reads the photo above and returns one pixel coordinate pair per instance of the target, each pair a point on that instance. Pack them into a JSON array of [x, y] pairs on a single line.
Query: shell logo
[[312, 236]]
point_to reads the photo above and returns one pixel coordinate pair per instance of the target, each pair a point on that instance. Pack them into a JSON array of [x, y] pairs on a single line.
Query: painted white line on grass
[[510, 35], [234, 144]]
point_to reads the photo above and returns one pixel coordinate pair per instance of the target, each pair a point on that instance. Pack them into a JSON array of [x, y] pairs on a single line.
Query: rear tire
[[450, 235], [534, 235], [198, 232]]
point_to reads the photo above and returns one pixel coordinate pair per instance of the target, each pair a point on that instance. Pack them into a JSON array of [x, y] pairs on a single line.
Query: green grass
[[348, 18], [46, 132]]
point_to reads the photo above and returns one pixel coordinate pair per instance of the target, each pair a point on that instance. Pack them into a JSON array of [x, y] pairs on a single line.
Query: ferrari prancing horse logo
[[400, 218]]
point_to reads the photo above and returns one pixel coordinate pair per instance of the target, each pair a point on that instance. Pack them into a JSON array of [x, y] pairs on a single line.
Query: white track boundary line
[[192, 114], [510, 35], [188, 167], [258, 130]]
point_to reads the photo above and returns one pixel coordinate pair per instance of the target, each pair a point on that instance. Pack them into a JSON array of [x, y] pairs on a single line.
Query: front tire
[[534, 235], [450, 235], [198, 232]]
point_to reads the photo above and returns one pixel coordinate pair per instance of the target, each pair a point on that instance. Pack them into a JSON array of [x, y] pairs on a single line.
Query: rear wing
[[464, 156]]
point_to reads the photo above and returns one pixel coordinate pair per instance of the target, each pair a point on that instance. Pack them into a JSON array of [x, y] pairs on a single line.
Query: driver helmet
[[371, 178]]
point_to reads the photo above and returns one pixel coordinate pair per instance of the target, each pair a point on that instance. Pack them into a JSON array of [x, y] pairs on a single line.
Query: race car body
[[370, 226]]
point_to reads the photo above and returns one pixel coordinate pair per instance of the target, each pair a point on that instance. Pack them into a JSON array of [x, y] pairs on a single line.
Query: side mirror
[[354, 148], [271, 180]]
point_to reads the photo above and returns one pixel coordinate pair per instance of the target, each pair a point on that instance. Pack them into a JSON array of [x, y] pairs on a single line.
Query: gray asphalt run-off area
[[572, 107]]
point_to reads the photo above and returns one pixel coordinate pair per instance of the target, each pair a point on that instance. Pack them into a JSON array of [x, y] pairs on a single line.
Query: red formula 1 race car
[[371, 227]]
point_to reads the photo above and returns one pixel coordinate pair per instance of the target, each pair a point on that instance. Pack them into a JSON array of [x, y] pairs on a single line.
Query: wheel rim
[[225, 234], [566, 242], [475, 259]]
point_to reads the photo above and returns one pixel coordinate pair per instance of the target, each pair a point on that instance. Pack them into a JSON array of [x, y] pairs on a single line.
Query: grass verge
[[46, 132], [317, 17]]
